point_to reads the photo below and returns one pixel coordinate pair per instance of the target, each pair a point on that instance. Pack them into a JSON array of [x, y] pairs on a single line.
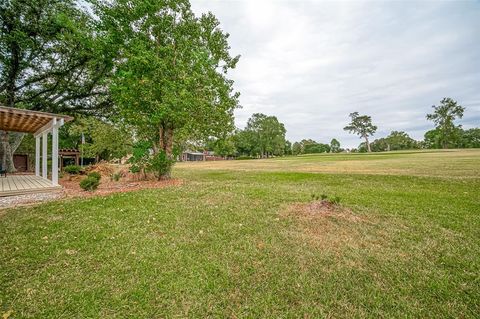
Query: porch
[[25, 184], [41, 125]]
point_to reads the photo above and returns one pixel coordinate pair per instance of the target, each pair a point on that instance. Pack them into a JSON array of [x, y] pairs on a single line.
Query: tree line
[[446, 133]]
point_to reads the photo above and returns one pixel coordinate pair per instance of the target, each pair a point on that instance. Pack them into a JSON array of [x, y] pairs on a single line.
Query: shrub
[[244, 158], [89, 183], [324, 196], [115, 177], [160, 165], [95, 175], [72, 169]]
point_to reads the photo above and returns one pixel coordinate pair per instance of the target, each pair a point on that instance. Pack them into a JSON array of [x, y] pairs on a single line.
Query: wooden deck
[[25, 184]]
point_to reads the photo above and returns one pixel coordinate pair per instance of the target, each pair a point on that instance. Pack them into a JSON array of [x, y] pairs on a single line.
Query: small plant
[[314, 196], [95, 175], [115, 177], [335, 200], [72, 169], [324, 196], [90, 183]]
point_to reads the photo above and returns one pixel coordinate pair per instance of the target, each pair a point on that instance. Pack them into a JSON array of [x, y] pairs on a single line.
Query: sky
[[312, 63]]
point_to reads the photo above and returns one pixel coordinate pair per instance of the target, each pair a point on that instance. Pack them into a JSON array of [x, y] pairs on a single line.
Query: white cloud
[[311, 63]]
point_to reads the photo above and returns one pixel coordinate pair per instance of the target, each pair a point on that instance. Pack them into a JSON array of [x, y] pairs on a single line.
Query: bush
[[115, 177], [89, 183], [72, 169], [95, 175], [240, 158], [160, 165]]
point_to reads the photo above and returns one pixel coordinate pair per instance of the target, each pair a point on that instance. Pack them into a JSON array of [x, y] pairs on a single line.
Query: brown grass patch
[[334, 227]]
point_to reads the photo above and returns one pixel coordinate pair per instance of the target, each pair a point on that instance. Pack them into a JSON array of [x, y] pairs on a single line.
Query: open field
[[240, 239]]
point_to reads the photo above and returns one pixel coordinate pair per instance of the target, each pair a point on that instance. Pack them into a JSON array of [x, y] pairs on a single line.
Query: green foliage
[[72, 169], [393, 142], [52, 57], [263, 136], [89, 183], [334, 146], [470, 138], [297, 148], [362, 126], [443, 116], [288, 148], [95, 175], [172, 77], [309, 146], [160, 165], [223, 146], [103, 140], [115, 177], [140, 156]]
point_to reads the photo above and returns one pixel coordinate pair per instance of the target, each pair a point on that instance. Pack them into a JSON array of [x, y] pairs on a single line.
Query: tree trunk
[[165, 144], [368, 144], [9, 146]]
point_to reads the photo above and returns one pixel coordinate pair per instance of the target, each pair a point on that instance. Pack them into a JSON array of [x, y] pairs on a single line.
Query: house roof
[[26, 121]]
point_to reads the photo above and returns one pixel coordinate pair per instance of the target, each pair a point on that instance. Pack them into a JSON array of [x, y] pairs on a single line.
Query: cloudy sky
[[311, 63]]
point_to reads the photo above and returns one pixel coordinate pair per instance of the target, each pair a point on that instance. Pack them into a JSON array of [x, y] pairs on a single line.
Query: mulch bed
[[71, 187]]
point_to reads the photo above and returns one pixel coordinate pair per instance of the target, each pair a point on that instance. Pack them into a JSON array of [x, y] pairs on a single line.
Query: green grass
[[232, 242]]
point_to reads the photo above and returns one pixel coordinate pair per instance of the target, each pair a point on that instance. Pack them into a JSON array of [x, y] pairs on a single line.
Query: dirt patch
[[323, 209]]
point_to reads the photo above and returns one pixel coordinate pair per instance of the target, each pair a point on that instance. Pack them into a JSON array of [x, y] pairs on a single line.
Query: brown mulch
[[71, 186]]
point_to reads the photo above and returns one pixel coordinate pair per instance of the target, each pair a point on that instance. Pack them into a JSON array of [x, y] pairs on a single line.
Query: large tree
[[51, 59], [266, 134], [172, 79], [362, 126], [444, 116]]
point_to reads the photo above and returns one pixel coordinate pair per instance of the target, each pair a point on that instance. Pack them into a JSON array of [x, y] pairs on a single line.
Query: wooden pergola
[[40, 124]]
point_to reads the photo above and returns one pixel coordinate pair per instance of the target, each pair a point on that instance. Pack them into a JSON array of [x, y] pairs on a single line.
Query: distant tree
[[288, 148], [432, 139], [265, 135], [334, 146], [400, 141], [470, 138], [223, 146], [444, 116], [309, 146], [362, 126], [297, 148]]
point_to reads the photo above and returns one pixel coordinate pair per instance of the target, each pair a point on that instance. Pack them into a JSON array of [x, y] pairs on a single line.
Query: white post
[[37, 155], [44, 154], [55, 154]]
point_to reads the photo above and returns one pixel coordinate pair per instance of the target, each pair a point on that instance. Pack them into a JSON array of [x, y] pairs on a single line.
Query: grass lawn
[[233, 241]]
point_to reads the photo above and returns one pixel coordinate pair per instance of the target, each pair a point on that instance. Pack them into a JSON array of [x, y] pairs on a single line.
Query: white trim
[[55, 155], [44, 154], [37, 155]]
